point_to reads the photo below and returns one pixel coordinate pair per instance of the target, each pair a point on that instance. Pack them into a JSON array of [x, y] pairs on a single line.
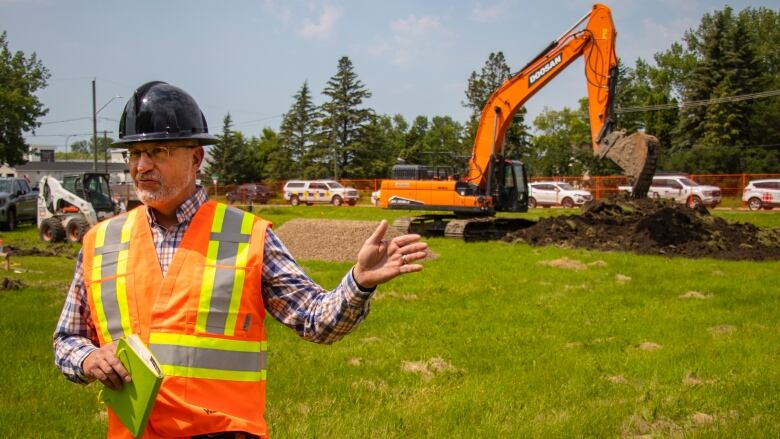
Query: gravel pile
[[328, 240]]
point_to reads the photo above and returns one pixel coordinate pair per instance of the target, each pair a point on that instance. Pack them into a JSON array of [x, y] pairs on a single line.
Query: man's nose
[[144, 163]]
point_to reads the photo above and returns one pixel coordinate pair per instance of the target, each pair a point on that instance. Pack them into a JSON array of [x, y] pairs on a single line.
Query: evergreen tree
[[344, 120], [479, 89], [726, 66], [298, 132], [277, 159], [20, 78], [223, 155]]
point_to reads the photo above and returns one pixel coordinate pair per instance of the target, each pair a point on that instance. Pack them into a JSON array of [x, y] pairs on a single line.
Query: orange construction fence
[[731, 185]]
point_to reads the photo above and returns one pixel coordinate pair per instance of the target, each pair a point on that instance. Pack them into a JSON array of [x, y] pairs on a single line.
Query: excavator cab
[[510, 183]]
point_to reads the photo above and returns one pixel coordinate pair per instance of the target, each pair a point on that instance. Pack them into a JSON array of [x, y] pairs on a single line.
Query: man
[[193, 279]]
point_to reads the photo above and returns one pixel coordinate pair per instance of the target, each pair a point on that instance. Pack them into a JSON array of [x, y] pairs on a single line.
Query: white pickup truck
[[682, 190]]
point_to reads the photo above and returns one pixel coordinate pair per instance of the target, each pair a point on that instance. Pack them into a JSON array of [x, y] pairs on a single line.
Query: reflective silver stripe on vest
[[110, 249], [224, 278], [203, 358]]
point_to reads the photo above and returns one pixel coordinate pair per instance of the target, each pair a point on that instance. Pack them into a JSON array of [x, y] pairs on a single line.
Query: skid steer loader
[[67, 209]]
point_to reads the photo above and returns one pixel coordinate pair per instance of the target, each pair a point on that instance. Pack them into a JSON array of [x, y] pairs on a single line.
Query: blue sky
[[250, 57]]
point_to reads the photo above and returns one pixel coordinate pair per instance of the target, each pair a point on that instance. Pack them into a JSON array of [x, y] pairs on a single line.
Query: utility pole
[[105, 152], [94, 126]]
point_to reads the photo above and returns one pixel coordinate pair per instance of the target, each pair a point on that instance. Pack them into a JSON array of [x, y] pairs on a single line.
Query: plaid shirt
[[288, 293]]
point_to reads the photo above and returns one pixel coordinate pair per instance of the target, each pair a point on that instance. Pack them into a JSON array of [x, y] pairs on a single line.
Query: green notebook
[[134, 402]]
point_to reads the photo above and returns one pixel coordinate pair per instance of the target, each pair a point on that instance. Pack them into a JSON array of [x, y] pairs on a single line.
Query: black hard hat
[[160, 111]]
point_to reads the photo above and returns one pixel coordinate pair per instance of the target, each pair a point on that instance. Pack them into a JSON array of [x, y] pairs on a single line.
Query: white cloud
[[279, 10], [489, 13], [414, 37], [322, 26]]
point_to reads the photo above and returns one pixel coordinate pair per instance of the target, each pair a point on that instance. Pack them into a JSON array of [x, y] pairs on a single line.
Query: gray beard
[[165, 192]]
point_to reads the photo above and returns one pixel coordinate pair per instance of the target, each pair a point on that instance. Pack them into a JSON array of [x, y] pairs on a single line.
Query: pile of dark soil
[[10, 284], [656, 227], [59, 249]]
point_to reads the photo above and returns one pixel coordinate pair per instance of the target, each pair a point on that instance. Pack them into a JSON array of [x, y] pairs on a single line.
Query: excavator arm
[[636, 154]]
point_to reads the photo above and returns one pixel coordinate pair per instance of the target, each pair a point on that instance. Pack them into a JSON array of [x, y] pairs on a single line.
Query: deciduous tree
[[20, 109]]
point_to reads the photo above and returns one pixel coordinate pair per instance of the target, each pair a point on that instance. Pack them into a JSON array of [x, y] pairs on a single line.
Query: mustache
[[151, 175]]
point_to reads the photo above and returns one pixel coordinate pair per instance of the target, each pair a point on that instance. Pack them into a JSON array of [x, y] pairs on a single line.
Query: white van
[[319, 191]]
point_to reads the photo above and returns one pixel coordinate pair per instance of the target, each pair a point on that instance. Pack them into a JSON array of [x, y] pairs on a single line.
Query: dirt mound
[[60, 249], [650, 226], [11, 284]]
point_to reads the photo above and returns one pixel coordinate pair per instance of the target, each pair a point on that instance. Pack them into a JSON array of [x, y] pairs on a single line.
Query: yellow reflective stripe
[[209, 271], [219, 217], [194, 341], [121, 280], [102, 322], [246, 223], [238, 286], [127, 228], [121, 299], [97, 263], [197, 372], [100, 236]]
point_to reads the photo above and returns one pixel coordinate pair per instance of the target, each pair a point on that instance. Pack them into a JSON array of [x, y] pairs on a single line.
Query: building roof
[[69, 166]]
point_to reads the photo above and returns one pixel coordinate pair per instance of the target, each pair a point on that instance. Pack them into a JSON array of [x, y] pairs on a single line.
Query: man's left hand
[[380, 260]]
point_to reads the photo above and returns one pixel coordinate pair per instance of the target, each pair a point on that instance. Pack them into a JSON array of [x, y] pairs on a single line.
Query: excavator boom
[[595, 42]]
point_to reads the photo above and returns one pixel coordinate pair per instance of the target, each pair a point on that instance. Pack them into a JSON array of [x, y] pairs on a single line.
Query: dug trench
[[652, 227]]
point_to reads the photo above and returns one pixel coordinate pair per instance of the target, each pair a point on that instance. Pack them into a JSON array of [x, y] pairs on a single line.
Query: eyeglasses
[[156, 153]]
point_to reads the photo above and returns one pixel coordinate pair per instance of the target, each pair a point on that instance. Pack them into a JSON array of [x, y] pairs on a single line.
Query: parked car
[[319, 191], [250, 193], [762, 194], [18, 202], [556, 193], [683, 190]]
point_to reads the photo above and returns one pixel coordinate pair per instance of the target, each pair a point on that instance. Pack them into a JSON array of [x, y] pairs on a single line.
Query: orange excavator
[[497, 184]]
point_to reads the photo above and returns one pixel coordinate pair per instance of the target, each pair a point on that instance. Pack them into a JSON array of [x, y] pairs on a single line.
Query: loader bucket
[[637, 155]]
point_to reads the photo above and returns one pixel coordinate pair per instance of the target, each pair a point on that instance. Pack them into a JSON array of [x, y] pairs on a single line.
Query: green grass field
[[490, 340]]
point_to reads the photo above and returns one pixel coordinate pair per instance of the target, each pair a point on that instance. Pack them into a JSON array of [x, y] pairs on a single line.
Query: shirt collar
[[187, 209]]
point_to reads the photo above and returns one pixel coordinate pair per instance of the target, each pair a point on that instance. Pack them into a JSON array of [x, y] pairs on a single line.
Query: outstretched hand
[[380, 260]]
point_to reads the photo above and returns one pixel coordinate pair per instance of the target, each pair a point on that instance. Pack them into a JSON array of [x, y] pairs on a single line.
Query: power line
[[59, 135], [65, 120], [699, 103], [259, 120]]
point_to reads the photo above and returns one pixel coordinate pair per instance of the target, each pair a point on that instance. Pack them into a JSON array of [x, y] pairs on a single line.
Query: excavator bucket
[[637, 155]]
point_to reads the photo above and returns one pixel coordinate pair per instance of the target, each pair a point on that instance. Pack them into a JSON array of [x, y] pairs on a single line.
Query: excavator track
[[424, 225], [451, 226], [484, 229]]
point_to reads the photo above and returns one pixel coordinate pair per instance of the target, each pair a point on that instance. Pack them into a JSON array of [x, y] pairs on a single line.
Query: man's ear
[[197, 157]]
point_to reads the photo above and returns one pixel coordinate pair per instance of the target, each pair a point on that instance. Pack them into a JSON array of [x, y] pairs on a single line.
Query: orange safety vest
[[203, 320]]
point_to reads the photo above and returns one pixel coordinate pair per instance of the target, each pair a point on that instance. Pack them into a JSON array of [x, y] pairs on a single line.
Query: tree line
[[728, 54], [717, 66]]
